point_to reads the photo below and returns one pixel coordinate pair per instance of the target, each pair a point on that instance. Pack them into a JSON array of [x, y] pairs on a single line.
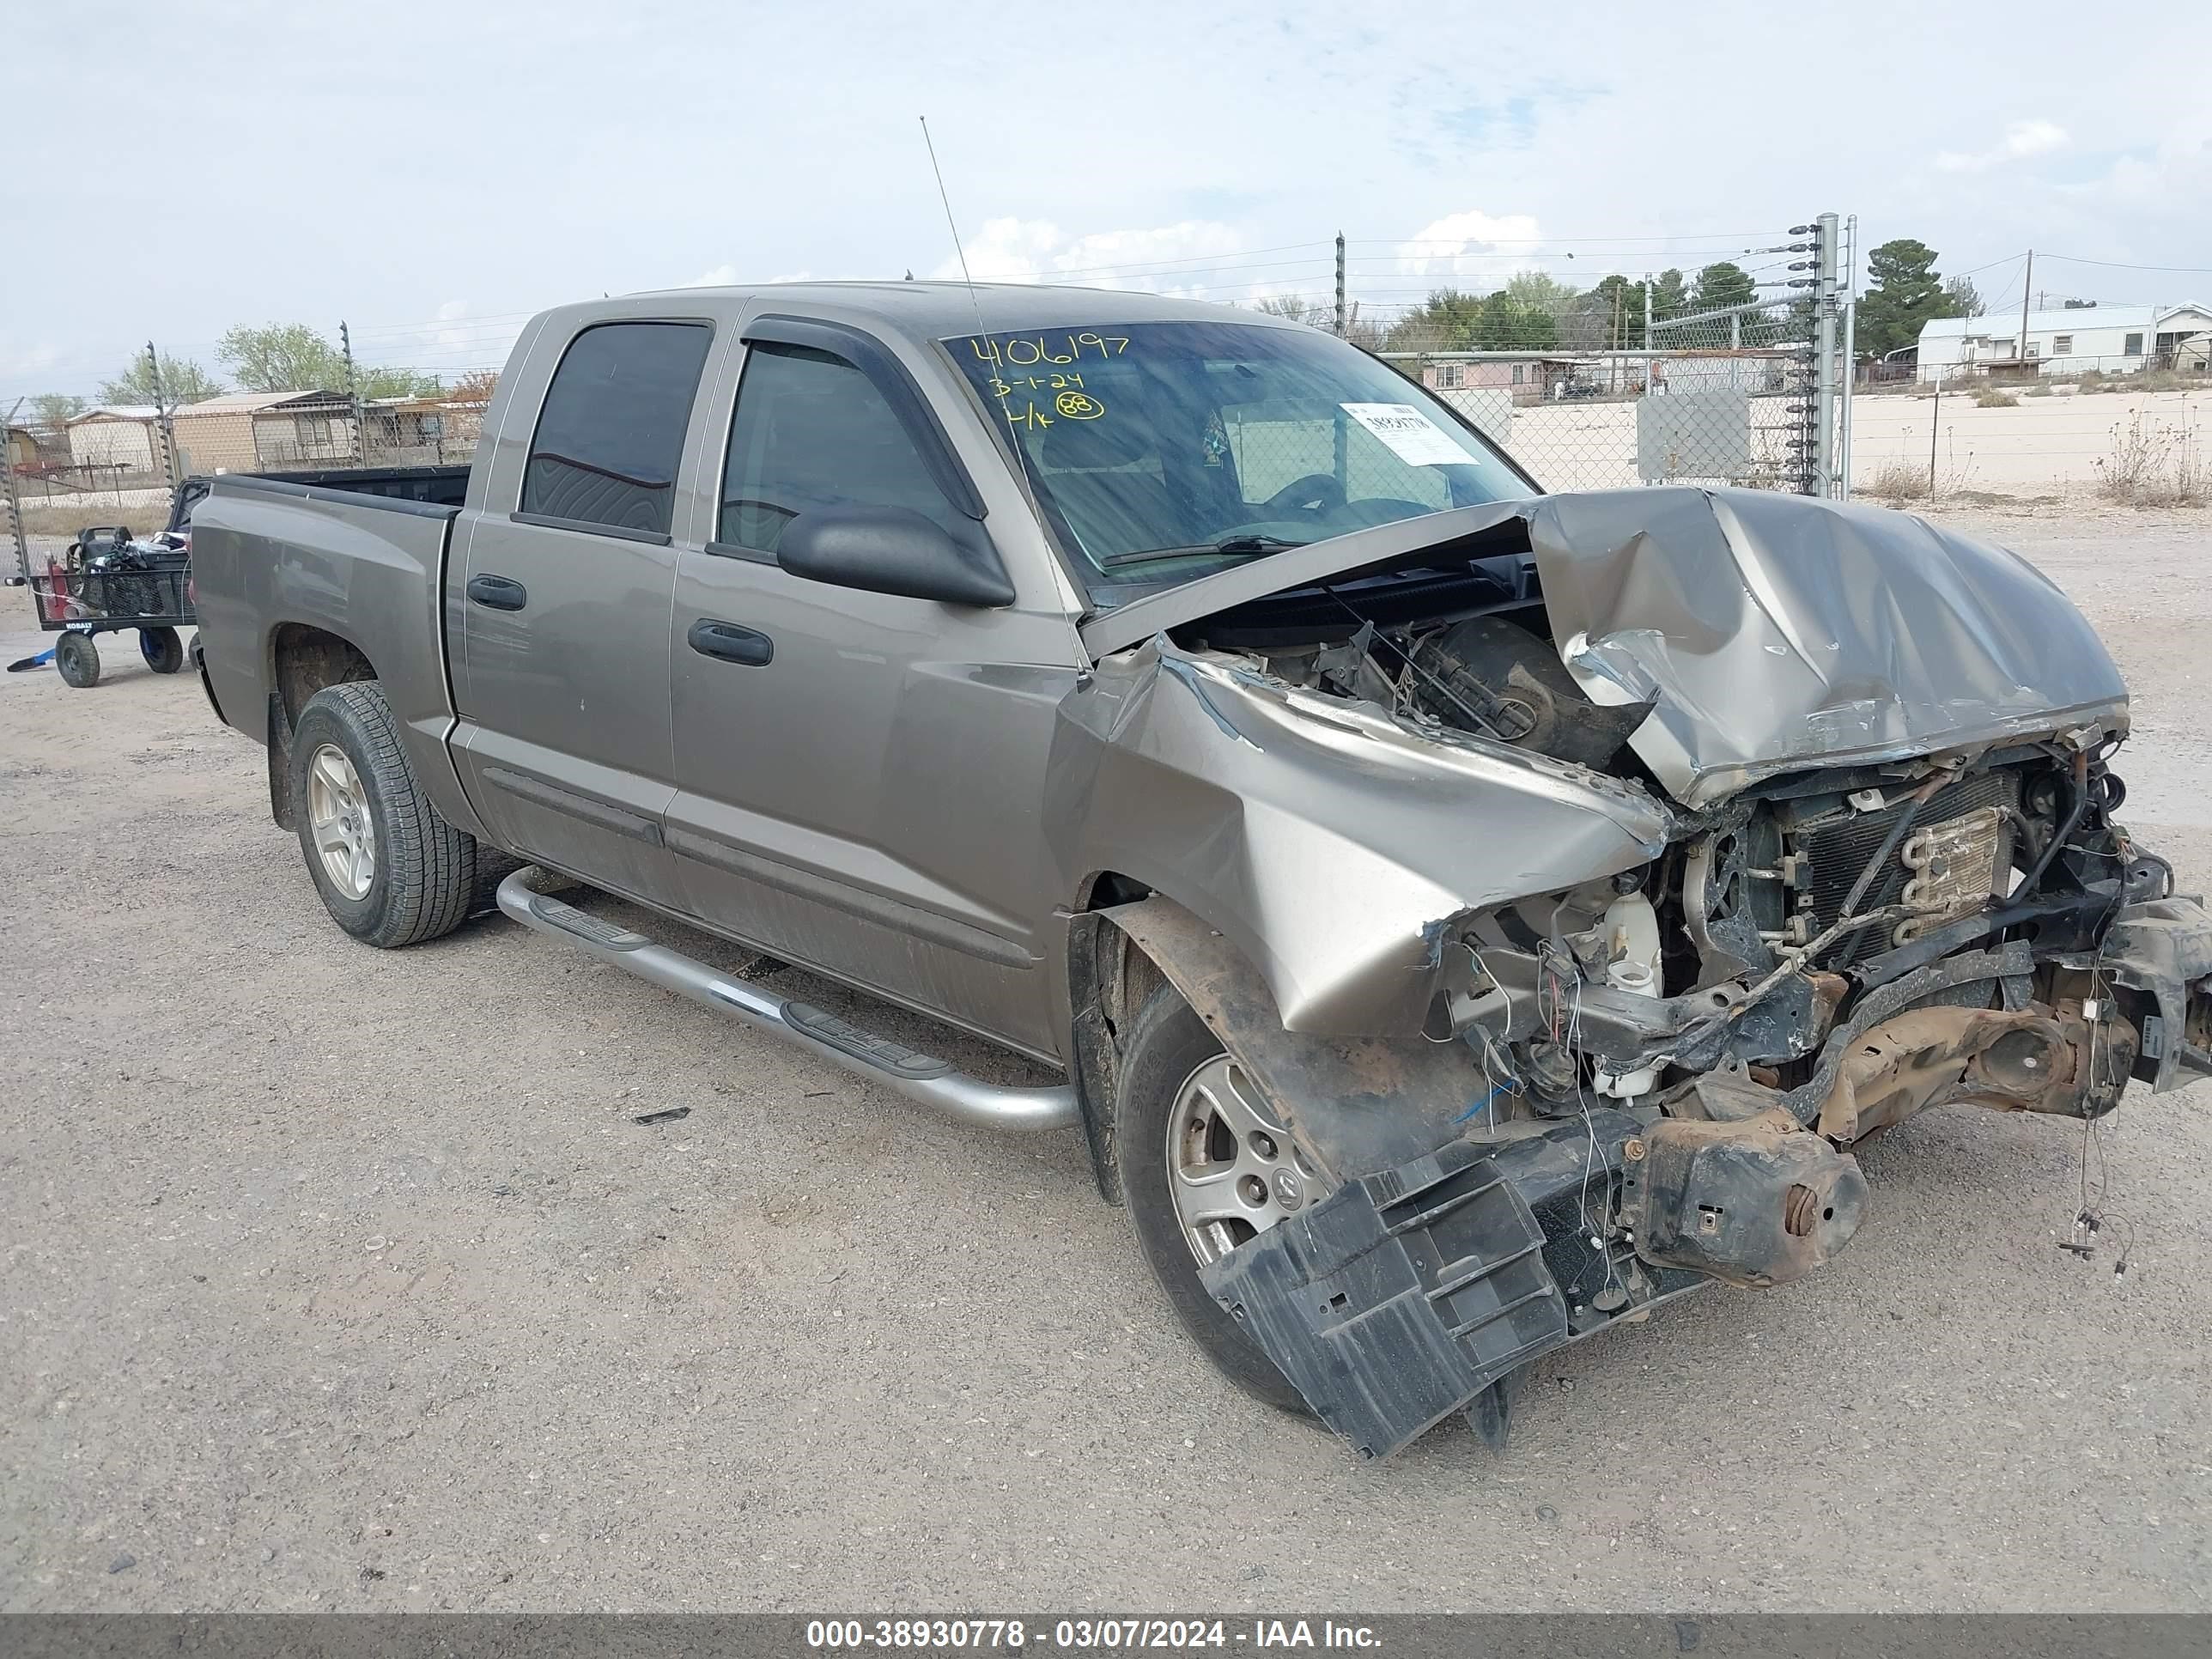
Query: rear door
[[562, 607], [861, 774]]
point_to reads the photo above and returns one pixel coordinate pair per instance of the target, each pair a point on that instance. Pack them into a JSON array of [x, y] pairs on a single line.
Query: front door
[[562, 673], [859, 776]]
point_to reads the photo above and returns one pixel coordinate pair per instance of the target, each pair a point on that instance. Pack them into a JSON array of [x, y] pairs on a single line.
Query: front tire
[[77, 659], [390, 871], [1199, 1152]]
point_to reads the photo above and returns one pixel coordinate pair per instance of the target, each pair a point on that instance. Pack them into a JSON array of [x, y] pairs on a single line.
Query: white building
[[2115, 339], [115, 436]]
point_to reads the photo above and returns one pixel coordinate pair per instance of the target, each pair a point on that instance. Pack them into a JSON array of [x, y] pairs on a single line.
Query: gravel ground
[[337, 1279]]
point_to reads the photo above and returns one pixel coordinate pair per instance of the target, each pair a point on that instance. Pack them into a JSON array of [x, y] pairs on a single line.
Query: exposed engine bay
[[1666, 1065]]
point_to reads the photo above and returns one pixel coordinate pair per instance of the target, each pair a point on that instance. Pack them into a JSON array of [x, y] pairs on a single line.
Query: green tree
[[399, 383], [1445, 321], [1536, 290], [1670, 295], [1723, 285], [1903, 293], [282, 357], [1610, 316], [52, 408], [183, 381], [293, 358], [1507, 325], [1297, 308]]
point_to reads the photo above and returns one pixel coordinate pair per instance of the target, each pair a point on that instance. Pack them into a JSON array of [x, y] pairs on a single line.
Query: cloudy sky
[[432, 173]]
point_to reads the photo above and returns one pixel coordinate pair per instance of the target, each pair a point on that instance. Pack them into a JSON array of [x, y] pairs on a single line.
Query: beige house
[[243, 431], [115, 435], [420, 431]]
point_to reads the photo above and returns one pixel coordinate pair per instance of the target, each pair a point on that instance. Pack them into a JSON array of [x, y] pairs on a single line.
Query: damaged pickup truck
[[1464, 917]]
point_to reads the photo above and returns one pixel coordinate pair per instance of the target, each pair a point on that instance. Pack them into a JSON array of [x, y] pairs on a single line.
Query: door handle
[[498, 594], [732, 643]]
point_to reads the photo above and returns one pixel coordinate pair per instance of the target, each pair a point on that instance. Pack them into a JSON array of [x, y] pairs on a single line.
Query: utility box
[[1488, 409], [1702, 434]]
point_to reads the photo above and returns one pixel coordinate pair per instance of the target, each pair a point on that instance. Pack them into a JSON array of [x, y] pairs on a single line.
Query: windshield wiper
[[1228, 545]]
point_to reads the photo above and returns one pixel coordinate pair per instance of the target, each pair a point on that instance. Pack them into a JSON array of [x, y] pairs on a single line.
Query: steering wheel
[[1315, 494]]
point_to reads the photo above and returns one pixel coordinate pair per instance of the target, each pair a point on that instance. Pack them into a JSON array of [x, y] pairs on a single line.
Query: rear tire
[[163, 649], [77, 657], [1169, 1045], [390, 871]]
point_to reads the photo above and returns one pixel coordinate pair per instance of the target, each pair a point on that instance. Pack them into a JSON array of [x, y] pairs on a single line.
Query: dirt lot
[[343, 1280]]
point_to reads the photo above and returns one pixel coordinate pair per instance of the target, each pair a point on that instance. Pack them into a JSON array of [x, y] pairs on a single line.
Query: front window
[[1162, 451], [810, 430]]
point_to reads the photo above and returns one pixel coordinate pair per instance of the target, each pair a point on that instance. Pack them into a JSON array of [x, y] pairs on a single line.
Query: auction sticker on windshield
[[1412, 436]]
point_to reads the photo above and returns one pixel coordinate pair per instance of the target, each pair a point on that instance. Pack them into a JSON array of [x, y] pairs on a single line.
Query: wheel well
[[307, 658], [1110, 978]]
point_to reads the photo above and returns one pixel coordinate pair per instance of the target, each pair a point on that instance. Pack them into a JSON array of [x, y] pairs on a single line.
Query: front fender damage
[[1333, 848]]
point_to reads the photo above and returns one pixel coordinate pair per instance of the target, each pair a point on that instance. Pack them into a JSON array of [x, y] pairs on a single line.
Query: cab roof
[[936, 310]]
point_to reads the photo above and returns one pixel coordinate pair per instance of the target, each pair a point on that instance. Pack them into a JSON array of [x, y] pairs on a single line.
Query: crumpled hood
[[1777, 632], [1772, 632]]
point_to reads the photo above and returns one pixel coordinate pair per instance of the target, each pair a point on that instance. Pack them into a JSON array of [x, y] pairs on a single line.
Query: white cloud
[[2176, 174], [1169, 258], [2021, 140], [720, 277], [27, 360], [1472, 244]]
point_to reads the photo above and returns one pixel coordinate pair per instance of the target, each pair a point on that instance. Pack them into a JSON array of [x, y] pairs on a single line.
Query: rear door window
[[612, 433], [810, 430]]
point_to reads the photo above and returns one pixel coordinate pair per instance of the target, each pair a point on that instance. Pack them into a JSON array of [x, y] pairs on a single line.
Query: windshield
[[1162, 451]]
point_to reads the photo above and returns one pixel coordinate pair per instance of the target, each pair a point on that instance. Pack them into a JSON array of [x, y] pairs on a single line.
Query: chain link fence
[[1751, 393], [1610, 420]]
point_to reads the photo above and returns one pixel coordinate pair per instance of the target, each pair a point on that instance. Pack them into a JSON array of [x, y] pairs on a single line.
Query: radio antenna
[[975, 301], [957, 247]]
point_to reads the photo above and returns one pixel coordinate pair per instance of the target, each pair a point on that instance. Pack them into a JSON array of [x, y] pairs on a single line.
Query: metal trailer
[[109, 580]]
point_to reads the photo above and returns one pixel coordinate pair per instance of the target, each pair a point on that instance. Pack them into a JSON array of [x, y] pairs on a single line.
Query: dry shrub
[[1899, 481], [1990, 397], [2146, 380], [2156, 463]]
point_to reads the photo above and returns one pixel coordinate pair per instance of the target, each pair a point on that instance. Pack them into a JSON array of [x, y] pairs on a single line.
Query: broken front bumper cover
[[1401, 1298], [1406, 1296]]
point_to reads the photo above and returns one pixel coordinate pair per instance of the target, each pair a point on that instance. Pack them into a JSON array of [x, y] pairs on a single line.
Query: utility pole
[[2020, 353], [1650, 362], [1850, 302], [353, 392], [161, 422], [1825, 392], [11, 501], [1343, 318], [1934, 420]]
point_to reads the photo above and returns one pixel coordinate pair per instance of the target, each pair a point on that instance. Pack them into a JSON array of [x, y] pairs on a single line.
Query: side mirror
[[890, 550]]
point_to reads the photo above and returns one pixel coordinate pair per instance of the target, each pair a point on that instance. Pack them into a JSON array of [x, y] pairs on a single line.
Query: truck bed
[[364, 569], [432, 486]]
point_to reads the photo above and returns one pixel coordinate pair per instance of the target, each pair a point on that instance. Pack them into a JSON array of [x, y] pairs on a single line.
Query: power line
[[2114, 264], [1686, 236]]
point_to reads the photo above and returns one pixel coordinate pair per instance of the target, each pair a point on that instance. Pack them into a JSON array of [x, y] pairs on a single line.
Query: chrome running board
[[919, 1077]]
